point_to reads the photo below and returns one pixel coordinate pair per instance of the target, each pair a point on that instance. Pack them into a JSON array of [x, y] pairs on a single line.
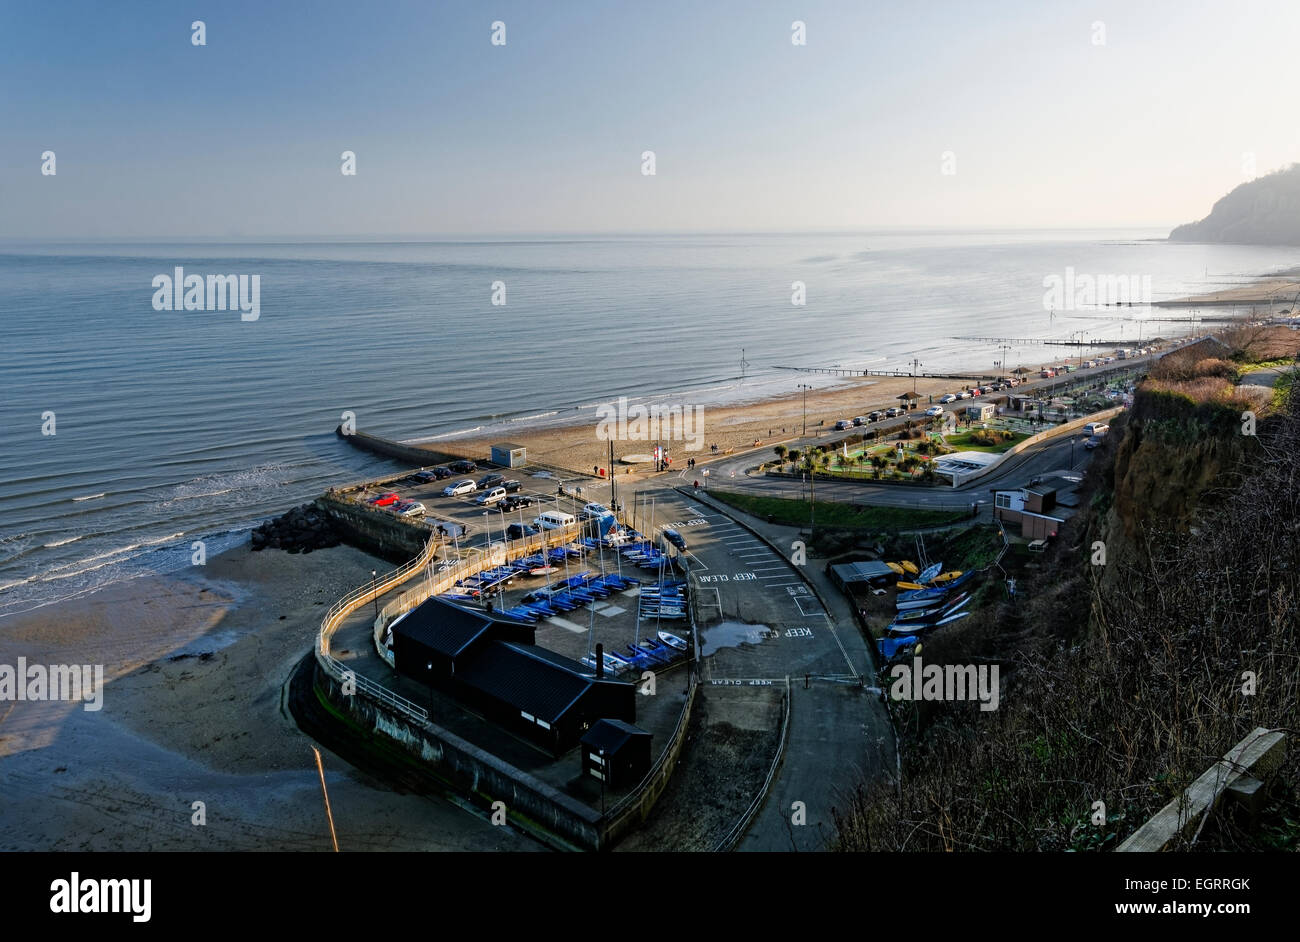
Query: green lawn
[[794, 513], [962, 442]]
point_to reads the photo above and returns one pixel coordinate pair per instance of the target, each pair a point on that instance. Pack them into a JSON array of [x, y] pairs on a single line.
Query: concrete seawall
[[383, 534], [529, 802]]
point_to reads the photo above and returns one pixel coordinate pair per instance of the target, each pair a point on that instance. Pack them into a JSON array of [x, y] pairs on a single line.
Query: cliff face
[[1265, 211], [1170, 465]]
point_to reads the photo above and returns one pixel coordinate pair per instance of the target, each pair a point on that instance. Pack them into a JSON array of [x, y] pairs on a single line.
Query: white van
[[1096, 429], [554, 520]]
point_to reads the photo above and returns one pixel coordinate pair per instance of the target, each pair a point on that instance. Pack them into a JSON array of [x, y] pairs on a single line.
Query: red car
[[383, 500]]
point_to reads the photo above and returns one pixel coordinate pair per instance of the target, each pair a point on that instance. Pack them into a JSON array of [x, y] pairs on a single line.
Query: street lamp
[[374, 573], [805, 387]]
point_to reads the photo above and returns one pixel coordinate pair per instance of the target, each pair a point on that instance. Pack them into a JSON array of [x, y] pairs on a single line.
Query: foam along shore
[[193, 727]]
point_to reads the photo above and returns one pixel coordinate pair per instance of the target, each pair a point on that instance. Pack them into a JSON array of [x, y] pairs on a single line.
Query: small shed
[[907, 400], [872, 572], [980, 411], [616, 752], [509, 455]]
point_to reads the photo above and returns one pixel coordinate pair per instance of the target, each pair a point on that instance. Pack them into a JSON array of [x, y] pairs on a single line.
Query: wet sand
[[193, 710]]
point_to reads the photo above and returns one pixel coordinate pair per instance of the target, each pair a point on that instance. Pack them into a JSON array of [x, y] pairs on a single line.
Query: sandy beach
[[192, 711], [730, 427]]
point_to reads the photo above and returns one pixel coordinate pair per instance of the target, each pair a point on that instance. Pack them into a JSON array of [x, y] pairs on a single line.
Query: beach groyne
[[419, 457]]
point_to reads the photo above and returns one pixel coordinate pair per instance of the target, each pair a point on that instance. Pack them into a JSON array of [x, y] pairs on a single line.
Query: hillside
[[1265, 211], [1121, 677]]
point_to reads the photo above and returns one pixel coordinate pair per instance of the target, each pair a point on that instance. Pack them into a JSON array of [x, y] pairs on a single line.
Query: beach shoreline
[[195, 665]]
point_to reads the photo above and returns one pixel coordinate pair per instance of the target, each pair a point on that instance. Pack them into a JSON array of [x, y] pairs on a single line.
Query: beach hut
[[907, 400], [509, 455]]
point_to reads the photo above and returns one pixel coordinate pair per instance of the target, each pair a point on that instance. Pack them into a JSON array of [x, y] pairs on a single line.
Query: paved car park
[[486, 524]]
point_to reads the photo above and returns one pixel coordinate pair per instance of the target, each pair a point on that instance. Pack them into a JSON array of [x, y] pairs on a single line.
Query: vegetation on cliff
[[1265, 211], [1122, 682]]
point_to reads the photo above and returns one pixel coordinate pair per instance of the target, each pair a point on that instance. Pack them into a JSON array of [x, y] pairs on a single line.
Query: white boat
[[672, 641], [930, 572]]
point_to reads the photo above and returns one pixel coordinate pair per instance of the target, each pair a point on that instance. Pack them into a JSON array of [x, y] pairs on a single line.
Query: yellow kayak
[[909, 566], [947, 577], [897, 568], [910, 585]]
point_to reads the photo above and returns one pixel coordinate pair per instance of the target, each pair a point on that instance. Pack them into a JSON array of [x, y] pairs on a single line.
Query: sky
[[929, 114]]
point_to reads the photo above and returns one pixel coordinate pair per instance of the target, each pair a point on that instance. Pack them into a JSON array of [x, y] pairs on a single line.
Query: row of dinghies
[[932, 599]]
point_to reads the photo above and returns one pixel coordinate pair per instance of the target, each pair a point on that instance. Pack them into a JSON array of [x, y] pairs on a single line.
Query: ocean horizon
[[180, 425]]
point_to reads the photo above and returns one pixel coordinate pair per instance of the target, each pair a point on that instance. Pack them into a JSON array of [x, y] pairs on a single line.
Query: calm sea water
[[174, 426]]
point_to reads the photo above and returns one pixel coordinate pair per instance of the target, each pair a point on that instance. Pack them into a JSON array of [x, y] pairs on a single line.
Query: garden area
[[905, 460]]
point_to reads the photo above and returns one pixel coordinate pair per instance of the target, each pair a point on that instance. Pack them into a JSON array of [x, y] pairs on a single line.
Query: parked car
[[874, 417], [514, 502], [842, 424], [512, 486], [976, 391], [893, 412], [425, 477], [463, 466], [859, 420], [593, 511], [517, 531], [460, 487], [948, 397], [441, 472], [491, 496], [964, 394], [1092, 443], [934, 410], [384, 500], [408, 508], [490, 480]]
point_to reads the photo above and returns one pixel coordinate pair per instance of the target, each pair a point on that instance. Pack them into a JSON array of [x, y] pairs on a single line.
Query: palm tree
[[780, 451]]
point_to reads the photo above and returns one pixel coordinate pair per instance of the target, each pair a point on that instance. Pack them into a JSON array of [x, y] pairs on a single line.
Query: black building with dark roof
[[490, 663], [615, 752]]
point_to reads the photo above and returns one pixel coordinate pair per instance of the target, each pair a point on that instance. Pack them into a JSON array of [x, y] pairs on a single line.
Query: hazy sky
[[453, 135]]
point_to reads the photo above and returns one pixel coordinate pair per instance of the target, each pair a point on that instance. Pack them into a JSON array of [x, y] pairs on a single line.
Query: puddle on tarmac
[[730, 634]]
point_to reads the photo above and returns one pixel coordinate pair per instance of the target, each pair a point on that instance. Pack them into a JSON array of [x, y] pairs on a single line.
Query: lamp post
[[374, 573], [805, 387]]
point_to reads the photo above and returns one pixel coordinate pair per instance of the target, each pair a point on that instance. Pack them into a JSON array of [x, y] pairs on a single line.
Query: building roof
[[861, 571], [611, 735], [532, 679], [450, 629], [511, 446]]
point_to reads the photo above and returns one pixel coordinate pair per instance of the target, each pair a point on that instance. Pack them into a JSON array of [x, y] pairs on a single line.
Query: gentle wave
[[90, 497], [71, 539], [119, 551]]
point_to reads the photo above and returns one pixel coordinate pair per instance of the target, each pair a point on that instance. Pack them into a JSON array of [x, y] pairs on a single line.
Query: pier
[[839, 371]]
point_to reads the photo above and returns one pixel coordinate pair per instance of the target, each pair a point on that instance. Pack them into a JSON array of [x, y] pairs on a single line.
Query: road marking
[[566, 624], [610, 610], [817, 609]]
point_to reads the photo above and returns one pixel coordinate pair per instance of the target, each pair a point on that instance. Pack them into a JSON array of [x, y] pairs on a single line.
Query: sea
[[129, 432]]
